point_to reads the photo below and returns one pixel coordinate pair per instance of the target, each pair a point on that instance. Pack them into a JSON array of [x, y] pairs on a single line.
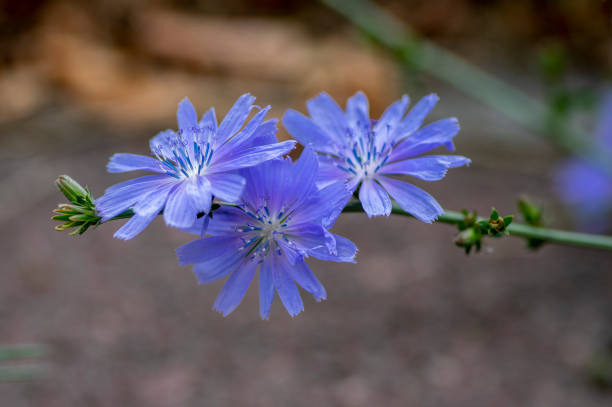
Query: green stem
[[424, 55], [516, 229], [16, 352]]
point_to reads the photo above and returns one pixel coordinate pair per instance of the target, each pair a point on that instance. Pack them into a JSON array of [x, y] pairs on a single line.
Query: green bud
[[71, 189], [530, 212], [80, 213], [468, 238]]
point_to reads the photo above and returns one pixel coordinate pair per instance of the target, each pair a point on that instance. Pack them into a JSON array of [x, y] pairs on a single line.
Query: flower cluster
[[271, 213]]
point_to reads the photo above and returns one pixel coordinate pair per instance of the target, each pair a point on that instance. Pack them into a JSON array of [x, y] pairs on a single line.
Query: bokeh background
[[415, 323]]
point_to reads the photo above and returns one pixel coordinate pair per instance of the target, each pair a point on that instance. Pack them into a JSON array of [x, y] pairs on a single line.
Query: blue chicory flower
[[585, 187], [365, 152], [193, 165], [281, 219]]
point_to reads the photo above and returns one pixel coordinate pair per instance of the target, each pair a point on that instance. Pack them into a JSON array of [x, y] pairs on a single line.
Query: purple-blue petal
[[308, 133], [235, 118], [253, 156], [430, 168], [241, 139], [358, 109], [199, 190], [220, 252], [302, 275], [124, 162], [374, 199], [393, 115], [265, 134], [180, 211], [234, 288], [345, 251], [328, 115], [266, 288], [122, 196], [209, 119], [186, 115], [285, 286], [226, 186], [412, 199], [134, 226], [434, 135], [415, 117]]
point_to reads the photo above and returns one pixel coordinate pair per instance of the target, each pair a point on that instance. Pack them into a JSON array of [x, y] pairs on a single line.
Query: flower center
[[261, 236], [186, 154], [363, 157]]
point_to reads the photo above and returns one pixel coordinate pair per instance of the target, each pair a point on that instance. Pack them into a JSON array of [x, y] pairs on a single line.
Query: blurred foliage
[[25, 354]]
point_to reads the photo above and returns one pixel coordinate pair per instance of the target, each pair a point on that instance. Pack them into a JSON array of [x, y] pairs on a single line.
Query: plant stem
[[424, 55], [516, 229]]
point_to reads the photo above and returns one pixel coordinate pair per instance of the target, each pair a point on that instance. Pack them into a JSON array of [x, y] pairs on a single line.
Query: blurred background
[[416, 322]]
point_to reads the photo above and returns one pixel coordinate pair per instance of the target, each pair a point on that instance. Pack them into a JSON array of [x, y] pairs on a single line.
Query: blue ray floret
[[281, 219], [364, 152], [584, 186], [193, 165]]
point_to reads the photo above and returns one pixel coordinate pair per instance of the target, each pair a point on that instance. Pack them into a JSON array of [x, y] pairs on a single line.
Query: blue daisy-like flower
[[281, 219], [364, 152], [193, 165], [584, 186]]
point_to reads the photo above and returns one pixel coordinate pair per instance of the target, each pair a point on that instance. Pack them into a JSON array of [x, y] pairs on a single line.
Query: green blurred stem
[[426, 56], [16, 352], [517, 229]]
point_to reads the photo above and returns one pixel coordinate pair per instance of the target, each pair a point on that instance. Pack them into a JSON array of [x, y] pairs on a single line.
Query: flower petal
[[227, 187], [179, 210], [392, 116], [413, 200], [199, 190], [134, 226], [209, 120], [429, 137], [241, 139], [161, 144], [216, 252], [328, 115], [430, 168], [153, 202], [329, 173], [186, 116], [120, 197], [266, 289], [345, 251], [306, 236], [374, 199], [284, 284], [302, 275], [124, 162], [307, 132], [235, 118], [357, 109], [235, 287], [414, 119], [227, 220], [265, 134], [253, 156]]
